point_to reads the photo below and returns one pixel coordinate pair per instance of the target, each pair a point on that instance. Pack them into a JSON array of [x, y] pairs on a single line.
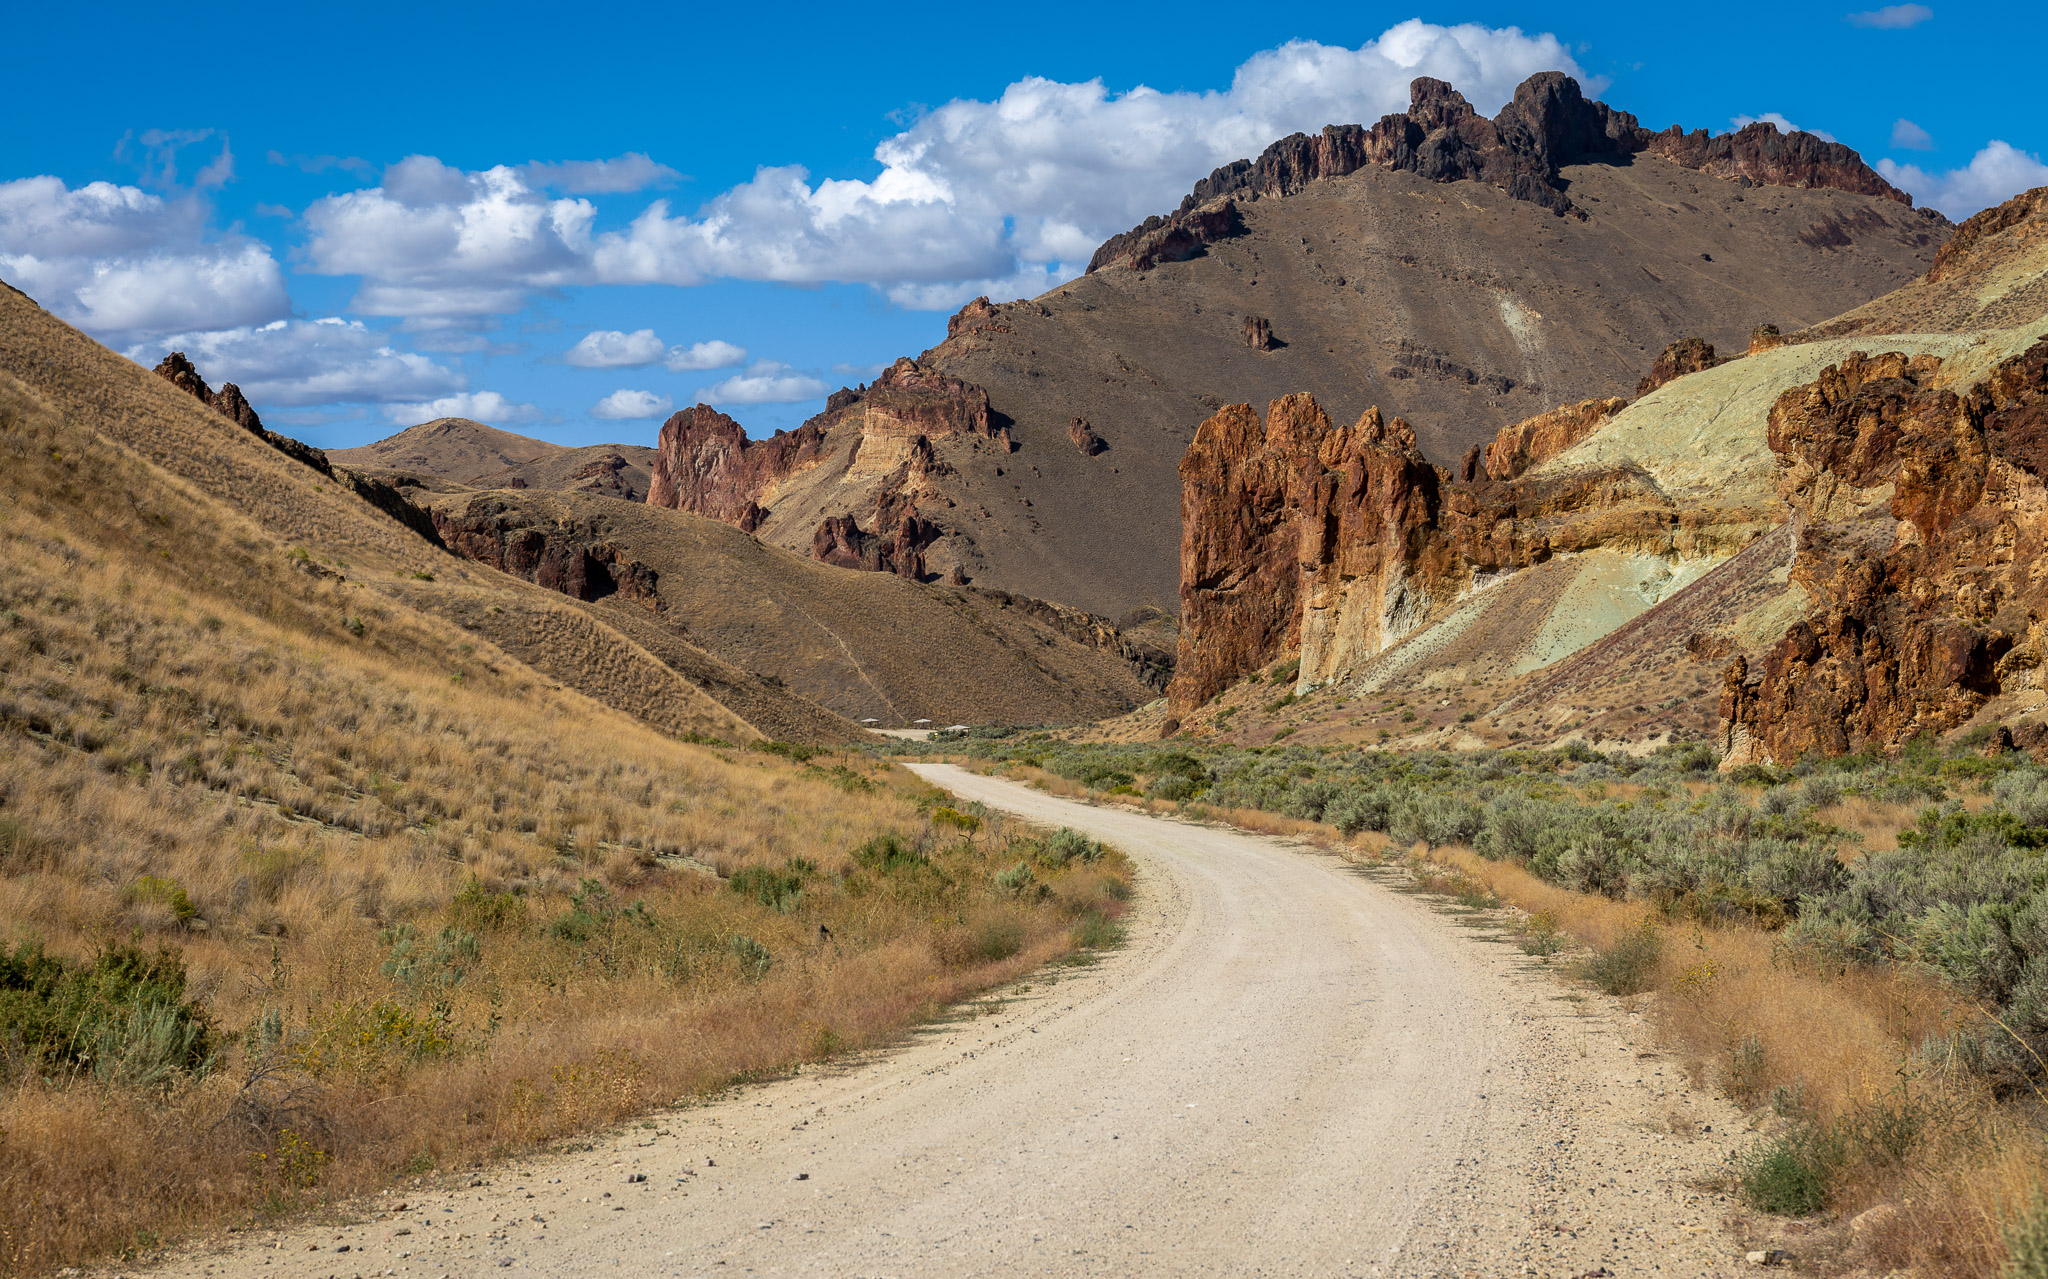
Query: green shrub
[[1097, 931], [415, 962], [1626, 967], [123, 1017], [995, 938], [889, 854], [1792, 1175], [163, 892], [1020, 881], [781, 891], [797, 751], [479, 910], [966, 823], [1066, 845], [753, 957]]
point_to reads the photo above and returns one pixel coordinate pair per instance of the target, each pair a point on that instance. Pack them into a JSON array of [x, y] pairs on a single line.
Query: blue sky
[[566, 223]]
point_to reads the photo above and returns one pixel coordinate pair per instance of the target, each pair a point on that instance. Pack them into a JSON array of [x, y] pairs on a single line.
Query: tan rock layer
[[1923, 519]]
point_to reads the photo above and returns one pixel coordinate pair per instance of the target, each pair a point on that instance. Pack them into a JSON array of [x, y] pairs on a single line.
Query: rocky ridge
[[1548, 124]]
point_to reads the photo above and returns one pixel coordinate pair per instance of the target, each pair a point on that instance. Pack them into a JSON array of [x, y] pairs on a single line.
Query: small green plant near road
[[1628, 966], [1541, 935], [2026, 1240]]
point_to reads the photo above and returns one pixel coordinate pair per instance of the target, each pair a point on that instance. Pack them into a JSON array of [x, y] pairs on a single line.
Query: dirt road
[[1290, 1070]]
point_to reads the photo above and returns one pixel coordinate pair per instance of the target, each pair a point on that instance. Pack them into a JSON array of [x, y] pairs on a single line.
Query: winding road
[[1291, 1069]]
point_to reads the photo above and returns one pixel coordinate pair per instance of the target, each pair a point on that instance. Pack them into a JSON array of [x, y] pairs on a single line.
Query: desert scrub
[[409, 922], [1629, 965]]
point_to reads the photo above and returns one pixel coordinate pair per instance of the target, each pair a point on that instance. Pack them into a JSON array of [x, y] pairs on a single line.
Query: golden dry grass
[[315, 766], [1764, 1022]]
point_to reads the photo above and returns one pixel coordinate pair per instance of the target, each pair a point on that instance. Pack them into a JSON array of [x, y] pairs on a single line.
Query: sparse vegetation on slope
[[302, 888]]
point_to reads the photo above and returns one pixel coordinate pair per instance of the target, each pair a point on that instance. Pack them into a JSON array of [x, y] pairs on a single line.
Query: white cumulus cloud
[[764, 382], [1893, 17], [715, 354], [1008, 196], [479, 406], [625, 405], [301, 362], [1994, 175], [611, 349], [121, 262]]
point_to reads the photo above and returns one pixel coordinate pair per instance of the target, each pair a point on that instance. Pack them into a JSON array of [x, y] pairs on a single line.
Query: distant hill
[[478, 456], [1458, 272]]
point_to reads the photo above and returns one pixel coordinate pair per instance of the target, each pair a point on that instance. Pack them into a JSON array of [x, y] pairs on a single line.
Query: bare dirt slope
[[1289, 1071], [1449, 304]]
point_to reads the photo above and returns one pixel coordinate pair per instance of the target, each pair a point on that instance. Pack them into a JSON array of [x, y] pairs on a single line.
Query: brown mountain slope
[[1844, 529], [478, 456], [863, 644], [1448, 295], [366, 564]]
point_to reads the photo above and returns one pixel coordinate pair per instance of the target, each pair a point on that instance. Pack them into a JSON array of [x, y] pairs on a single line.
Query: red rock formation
[[1299, 536], [1548, 125], [705, 464], [1687, 355], [1923, 518], [1085, 438]]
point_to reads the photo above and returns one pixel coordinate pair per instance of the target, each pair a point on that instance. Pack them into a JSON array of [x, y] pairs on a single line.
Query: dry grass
[[209, 745], [1777, 1029]]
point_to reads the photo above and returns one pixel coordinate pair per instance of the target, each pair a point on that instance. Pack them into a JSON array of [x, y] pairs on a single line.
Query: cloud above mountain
[[1009, 195], [1995, 174]]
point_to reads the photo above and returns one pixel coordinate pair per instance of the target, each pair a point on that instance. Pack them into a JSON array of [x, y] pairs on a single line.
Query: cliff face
[[1922, 518], [876, 444], [1340, 543], [1549, 124]]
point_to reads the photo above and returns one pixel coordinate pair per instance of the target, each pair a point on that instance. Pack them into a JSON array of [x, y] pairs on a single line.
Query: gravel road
[[1291, 1069]]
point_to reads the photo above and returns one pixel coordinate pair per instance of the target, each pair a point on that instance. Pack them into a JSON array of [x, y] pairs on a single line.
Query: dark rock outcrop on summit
[[1549, 124], [1687, 355]]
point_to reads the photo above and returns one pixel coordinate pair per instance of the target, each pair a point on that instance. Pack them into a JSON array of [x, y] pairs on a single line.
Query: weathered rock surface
[[573, 556], [1923, 518], [1085, 438], [1537, 440], [1688, 355], [876, 440]]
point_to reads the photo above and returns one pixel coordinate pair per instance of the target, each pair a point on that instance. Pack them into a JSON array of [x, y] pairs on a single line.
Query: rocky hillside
[[1461, 273], [1838, 528]]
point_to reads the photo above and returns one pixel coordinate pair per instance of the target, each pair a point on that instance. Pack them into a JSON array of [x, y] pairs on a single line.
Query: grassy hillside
[[302, 884], [379, 561]]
